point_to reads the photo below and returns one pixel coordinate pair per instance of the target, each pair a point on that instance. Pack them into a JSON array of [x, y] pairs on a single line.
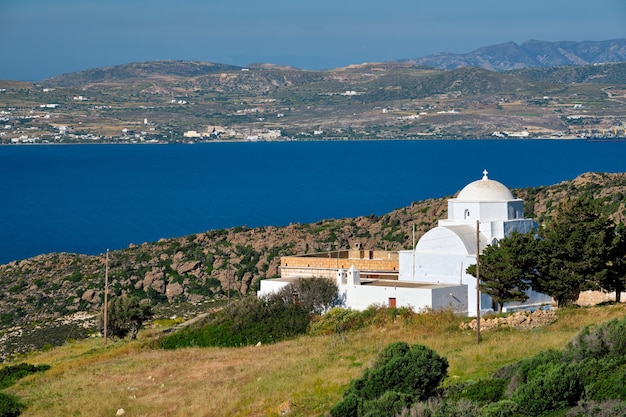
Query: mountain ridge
[[530, 54]]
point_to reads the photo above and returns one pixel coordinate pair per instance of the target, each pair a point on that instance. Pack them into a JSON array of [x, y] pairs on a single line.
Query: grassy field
[[305, 376]]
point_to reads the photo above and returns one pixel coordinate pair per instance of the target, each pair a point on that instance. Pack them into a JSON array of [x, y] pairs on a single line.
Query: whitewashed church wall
[[360, 297], [454, 298], [521, 226], [269, 286]]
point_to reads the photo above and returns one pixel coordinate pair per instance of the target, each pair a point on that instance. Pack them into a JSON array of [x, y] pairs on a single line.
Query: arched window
[[467, 214]]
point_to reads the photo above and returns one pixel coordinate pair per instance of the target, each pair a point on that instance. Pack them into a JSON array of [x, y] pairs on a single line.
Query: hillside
[[299, 377], [531, 54], [187, 101], [192, 273]]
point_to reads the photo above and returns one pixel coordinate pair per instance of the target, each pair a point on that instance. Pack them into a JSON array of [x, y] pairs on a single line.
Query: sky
[[43, 38]]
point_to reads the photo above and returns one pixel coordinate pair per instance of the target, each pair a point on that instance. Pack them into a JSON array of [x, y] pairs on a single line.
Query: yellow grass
[[306, 375]]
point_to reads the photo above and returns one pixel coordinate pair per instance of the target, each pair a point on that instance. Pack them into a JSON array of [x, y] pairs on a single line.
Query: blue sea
[[90, 198]]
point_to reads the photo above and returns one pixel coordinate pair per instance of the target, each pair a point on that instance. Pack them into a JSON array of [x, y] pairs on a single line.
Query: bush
[[483, 392], [248, 321], [605, 340], [10, 374], [504, 408], [337, 320], [125, 315], [390, 403], [603, 379], [10, 406], [413, 373], [551, 387], [314, 295], [442, 408], [602, 409]]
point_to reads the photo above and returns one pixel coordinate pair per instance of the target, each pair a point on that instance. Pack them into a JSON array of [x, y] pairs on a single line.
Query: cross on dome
[[485, 174]]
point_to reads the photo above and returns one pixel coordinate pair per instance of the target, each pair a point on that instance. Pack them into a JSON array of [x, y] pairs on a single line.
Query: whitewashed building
[[432, 275], [443, 254]]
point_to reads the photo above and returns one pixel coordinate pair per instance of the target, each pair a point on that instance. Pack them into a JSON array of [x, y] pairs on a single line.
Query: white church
[[431, 275]]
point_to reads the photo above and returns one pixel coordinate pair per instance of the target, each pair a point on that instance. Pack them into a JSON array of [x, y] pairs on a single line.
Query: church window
[[467, 213]]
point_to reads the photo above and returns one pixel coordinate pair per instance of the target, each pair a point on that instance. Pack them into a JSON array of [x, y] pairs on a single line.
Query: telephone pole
[[477, 281], [106, 294]]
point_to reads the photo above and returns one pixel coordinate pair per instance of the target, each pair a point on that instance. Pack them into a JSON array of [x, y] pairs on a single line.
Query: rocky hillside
[[200, 268], [509, 56]]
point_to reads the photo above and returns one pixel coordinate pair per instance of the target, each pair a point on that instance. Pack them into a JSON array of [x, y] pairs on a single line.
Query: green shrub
[[413, 372], [483, 392], [125, 315], [348, 407], [436, 407], [390, 403], [10, 374], [337, 320], [603, 379], [602, 409], [550, 387], [604, 340], [10, 406], [503, 408]]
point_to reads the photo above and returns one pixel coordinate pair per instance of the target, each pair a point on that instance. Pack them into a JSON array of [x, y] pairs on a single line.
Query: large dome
[[485, 190]]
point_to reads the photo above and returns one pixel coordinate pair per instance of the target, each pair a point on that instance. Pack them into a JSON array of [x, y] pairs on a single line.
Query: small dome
[[485, 190]]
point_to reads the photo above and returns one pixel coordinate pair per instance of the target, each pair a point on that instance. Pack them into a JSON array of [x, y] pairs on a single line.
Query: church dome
[[485, 190]]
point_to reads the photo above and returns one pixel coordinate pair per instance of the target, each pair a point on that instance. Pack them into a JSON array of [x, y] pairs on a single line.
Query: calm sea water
[[89, 198]]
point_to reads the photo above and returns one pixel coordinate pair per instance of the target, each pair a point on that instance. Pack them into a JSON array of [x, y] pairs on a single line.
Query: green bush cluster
[[587, 378], [401, 375], [251, 320], [10, 405], [590, 373]]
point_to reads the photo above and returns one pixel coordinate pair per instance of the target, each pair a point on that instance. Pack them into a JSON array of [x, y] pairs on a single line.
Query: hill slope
[[195, 269], [510, 56]]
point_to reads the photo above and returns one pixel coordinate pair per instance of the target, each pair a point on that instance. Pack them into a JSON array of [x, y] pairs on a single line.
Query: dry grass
[[89, 379]]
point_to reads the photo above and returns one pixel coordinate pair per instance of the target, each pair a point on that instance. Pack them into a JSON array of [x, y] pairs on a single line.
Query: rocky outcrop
[[518, 320]]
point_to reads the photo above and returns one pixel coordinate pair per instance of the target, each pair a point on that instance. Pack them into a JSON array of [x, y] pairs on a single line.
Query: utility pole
[[106, 294], [477, 281]]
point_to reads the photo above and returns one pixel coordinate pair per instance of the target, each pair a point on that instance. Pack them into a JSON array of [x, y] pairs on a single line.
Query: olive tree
[[125, 315]]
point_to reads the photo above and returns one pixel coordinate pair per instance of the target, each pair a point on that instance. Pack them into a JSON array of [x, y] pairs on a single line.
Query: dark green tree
[[614, 279], [126, 315], [573, 254], [507, 268]]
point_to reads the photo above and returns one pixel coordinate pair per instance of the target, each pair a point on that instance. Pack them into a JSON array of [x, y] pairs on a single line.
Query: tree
[[315, 295], [126, 314], [614, 280], [507, 268], [573, 254]]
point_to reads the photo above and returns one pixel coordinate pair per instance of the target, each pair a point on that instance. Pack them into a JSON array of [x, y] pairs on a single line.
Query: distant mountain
[[129, 73], [511, 56]]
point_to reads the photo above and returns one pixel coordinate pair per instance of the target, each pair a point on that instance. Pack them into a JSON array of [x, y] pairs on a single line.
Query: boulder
[[187, 267], [151, 276], [159, 286], [88, 295], [173, 290]]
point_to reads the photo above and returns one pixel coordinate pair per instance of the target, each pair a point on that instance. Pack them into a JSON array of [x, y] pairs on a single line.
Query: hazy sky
[[42, 38]]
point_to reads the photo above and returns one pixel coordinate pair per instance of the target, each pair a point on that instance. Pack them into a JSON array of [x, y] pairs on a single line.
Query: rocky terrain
[[189, 275]]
